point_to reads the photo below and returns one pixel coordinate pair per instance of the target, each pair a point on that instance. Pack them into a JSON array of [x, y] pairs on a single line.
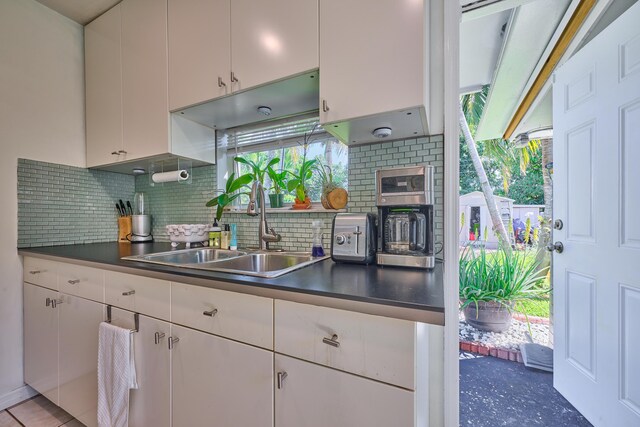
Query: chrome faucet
[[266, 234]]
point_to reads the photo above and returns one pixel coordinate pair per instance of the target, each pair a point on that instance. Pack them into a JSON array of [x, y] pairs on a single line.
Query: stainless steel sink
[[265, 264], [187, 256], [261, 264]]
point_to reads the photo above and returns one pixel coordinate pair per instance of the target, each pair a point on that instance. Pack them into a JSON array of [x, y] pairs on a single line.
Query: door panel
[[315, 396], [150, 403], [216, 381], [41, 341], [630, 174], [596, 191], [78, 349]]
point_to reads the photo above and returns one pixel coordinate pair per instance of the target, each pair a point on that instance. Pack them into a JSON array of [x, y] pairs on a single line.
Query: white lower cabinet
[[41, 341], [309, 395], [219, 382], [79, 320], [150, 403]]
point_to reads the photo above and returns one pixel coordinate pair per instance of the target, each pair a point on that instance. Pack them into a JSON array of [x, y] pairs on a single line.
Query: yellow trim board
[[569, 32]]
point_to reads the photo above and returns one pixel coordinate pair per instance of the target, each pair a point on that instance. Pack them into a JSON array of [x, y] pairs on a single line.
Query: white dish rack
[[187, 233]]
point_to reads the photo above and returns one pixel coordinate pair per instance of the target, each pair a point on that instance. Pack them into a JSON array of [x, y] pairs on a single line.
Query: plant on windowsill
[[278, 184], [333, 196], [298, 184], [230, 193], [492, 284], [258, 170]]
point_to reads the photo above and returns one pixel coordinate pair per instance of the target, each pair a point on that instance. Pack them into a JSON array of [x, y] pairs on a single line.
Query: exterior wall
[[41, 118]]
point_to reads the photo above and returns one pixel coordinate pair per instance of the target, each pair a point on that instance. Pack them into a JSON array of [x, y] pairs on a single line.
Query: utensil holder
[[124, 229]]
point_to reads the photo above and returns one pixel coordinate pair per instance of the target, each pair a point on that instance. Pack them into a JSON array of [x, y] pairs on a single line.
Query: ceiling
[[81, 11]]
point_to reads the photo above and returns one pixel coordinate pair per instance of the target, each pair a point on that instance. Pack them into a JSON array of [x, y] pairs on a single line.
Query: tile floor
[[37, 412]]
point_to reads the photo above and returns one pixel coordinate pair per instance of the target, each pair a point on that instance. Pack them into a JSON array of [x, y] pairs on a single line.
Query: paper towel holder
[[174, 165]]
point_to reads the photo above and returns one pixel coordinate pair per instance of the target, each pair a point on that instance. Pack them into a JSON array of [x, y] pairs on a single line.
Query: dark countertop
[[393, 292]]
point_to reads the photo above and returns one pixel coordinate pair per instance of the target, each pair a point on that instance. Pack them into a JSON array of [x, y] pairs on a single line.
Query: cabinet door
[[315, 396], [144, 78], [220, 382], [41, 341], [150, 403], [371, 57], [199, 51], [103, 88], [272, 39], [78, 351]]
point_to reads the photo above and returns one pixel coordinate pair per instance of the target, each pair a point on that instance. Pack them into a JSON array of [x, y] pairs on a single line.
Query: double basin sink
[[261, 264]]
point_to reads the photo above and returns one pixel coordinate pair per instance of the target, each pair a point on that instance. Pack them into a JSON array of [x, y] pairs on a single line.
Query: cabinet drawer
[[143, 295], [85, 282], [372, 346], [241, 317], [41, 272]]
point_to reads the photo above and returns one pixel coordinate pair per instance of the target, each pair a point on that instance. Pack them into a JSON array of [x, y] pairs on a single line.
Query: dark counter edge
[[270, 288]]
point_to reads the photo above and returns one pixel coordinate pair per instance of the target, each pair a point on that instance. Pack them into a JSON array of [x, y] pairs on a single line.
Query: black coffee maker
[[405, 216]]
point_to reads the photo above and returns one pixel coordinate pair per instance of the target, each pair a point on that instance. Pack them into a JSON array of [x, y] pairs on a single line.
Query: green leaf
[[229, 183], [272, 162], [293, 184], [219, 212], [213, 202], [240, 182]]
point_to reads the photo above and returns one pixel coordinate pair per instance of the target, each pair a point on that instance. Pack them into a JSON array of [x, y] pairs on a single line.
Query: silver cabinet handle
[[122, 152], [333, 341], [55, 302], [221, 83], [280, 379], [128, 293], [325, 106], [115, 153], [172, 342], [158, 336], [233, 78], [35, 272], [73, 282], [210, 313], [47, 302]]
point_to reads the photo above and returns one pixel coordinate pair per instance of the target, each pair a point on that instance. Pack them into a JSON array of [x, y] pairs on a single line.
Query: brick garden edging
[[500, 353]]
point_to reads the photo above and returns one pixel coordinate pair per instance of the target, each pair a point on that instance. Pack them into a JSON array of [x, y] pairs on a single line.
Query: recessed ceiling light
[[382, 132], [264, 110]]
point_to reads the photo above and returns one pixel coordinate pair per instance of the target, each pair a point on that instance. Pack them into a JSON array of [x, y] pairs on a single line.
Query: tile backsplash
[[62, 205]]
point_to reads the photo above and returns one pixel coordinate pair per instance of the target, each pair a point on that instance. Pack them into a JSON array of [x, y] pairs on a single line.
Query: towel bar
[[136, 319]]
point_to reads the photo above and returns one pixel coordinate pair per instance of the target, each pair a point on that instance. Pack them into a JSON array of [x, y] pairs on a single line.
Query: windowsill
[[289, 210]]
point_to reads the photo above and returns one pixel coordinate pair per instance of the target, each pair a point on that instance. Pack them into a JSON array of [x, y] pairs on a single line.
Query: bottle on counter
[[316, 249], [233, 243], [215, 235], [225, 237]]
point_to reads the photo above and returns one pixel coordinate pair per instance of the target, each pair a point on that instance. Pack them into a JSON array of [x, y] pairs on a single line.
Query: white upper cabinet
[[373, 60], [272, 39], [145, 103], [199, 51], [103, 88]]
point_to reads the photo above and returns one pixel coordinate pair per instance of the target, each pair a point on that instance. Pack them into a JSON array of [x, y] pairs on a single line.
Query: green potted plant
[[298, 184], [230, 193], [492, 284], [278, 183], [258, 169]]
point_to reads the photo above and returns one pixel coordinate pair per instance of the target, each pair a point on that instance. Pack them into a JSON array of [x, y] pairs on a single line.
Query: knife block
[[124, 229]]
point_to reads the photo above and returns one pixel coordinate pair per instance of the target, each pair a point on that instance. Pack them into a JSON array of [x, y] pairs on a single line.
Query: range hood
[[288, 97]]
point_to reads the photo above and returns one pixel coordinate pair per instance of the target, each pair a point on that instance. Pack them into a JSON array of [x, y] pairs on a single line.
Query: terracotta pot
[[302, 205], [489, 316]]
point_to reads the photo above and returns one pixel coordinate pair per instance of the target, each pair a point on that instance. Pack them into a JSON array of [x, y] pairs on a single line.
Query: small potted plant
[[333, 196], [492, 284], [298, 184], [230, 193], [259, 169], [278, 183]]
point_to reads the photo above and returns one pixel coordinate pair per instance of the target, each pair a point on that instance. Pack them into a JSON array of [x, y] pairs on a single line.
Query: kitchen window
[[287, 140]]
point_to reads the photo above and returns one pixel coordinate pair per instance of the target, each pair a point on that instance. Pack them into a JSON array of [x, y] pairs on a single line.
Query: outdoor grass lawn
[[534, 307]]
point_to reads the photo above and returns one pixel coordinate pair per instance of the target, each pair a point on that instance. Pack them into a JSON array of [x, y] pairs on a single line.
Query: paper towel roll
[[179, 175]]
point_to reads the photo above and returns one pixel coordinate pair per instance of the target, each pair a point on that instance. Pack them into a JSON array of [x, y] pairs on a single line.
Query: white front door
[[596, 107]]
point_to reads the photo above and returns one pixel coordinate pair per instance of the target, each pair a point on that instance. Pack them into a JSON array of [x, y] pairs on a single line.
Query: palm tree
[[474, 104]]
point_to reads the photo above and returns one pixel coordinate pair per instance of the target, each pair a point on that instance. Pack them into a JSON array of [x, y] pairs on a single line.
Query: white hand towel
[[116, 375]]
